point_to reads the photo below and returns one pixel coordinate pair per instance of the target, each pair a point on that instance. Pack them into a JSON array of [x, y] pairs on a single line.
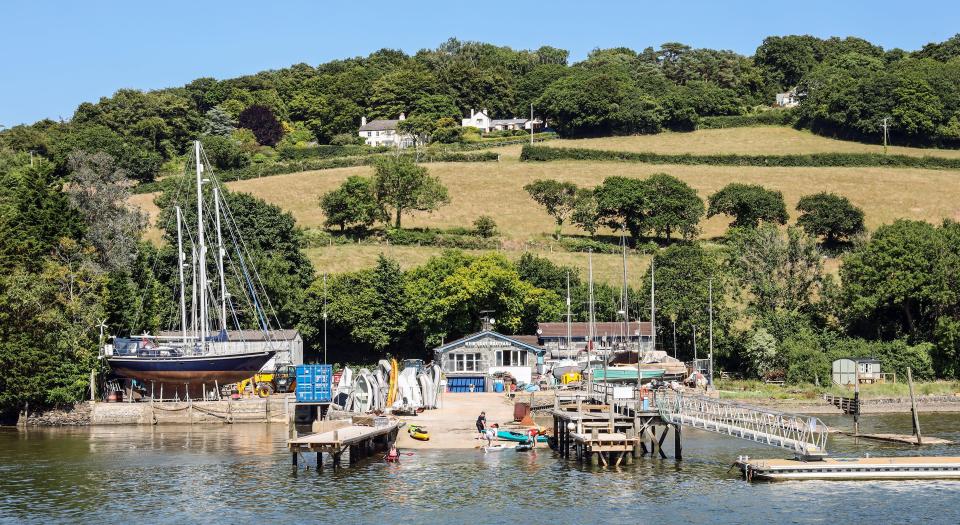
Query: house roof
[[485, 333], [379, 125], [245, 335], [553, 330], [509, 121]]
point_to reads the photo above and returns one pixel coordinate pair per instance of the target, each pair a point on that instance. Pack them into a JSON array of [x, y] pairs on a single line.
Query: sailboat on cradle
[[201, 354]]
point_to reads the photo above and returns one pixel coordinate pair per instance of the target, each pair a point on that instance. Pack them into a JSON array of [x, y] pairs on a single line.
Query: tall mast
[[194, 326], [653, 307], [625, 298], [710, 373], [590, 324], [569, 335], [202, 263], [181, 258], [220, 253]]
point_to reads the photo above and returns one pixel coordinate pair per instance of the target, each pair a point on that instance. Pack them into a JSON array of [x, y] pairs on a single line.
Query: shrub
[[777, 117], [264, 125], [485, 226]]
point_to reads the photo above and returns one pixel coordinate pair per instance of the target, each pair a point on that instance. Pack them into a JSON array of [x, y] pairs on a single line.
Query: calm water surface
[[241, 473]]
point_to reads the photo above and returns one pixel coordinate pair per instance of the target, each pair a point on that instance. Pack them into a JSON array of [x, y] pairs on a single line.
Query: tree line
[[661, 205], [846, 87]]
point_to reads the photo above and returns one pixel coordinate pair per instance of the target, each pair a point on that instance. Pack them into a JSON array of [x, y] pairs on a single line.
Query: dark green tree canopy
[[749, 205], [673, 206], [354, 203], [830, 216]]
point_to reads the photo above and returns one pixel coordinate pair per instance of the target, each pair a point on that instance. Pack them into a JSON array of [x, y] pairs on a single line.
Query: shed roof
[[508, 121], [552, 330], [497, 335]]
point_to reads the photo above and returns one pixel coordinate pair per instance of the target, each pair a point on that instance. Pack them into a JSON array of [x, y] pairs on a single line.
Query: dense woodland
[[76, 256]]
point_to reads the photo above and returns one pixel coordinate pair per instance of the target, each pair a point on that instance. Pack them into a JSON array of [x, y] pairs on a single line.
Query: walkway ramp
[[805, 436]]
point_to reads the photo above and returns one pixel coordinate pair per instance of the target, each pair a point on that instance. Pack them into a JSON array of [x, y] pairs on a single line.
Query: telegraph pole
[[531, 123], [886, 133]]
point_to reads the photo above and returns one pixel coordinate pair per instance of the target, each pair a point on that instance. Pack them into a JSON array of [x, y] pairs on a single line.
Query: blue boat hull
[[223, 369]]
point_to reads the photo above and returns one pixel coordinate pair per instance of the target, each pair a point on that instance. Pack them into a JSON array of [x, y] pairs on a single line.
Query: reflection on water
[[233, 473]]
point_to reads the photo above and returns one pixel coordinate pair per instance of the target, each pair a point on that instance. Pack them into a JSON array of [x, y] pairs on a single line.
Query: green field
[[496, 189]]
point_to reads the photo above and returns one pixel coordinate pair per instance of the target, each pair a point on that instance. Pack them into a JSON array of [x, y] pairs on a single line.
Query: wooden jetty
[[360, 440], [875, 468], [607, 431]]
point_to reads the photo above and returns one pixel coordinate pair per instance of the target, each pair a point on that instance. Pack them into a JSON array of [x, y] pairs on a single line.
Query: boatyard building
[[470, 363]]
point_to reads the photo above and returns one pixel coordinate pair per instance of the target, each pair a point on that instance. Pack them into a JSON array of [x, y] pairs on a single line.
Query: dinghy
[[494, 448], [510, 435]]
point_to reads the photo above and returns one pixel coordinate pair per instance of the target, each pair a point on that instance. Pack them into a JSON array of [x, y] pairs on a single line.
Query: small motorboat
[[494, 448], [419, 433], [510, 435]]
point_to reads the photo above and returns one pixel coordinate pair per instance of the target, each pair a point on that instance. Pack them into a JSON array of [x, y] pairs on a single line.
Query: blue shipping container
[[314, 383], [462, 384]]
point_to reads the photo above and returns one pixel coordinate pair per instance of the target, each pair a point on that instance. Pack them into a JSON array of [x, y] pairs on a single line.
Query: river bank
[[454, 423]]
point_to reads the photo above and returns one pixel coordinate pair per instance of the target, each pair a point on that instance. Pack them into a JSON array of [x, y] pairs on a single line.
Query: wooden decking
[[360, 441]]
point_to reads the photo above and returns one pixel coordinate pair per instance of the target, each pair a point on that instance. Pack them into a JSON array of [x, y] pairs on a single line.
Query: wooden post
[[293, 459], [677, 442], [93, 385], [319, 461], [913, 408]]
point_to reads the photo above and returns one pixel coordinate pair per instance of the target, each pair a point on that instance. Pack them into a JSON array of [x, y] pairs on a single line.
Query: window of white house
[[511, 358], [369, 133]]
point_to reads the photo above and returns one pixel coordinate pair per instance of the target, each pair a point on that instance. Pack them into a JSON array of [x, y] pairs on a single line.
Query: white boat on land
[[341, 396], [565, 366]]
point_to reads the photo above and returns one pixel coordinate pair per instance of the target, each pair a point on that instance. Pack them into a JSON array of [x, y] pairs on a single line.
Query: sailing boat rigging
[[193, 357]]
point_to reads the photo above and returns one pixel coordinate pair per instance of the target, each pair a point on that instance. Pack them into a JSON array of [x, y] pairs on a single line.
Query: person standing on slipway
[[481, 424]]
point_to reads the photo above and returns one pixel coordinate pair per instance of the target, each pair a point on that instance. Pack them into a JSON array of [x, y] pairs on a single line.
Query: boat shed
[[553, 336], [469, 363], [287, 343], [846, 371]]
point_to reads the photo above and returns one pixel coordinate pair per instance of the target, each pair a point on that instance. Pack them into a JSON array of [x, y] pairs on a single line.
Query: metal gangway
[[805, 436]]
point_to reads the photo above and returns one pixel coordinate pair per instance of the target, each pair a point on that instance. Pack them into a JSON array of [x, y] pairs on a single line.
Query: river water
[[242, 473]]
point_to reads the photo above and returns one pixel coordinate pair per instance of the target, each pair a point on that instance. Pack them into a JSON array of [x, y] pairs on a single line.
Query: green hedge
[[280, 168], [324, 151], [777, 117], [443, 239], [818, 160]]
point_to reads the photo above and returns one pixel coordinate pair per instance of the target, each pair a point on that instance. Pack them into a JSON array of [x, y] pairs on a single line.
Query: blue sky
[[54, 55]]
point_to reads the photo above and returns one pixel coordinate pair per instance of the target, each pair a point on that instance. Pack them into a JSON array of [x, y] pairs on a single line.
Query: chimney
[[472, 112], [403, 117], [363, 120]]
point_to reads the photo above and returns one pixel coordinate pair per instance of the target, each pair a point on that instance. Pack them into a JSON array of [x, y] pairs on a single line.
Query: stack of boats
[[386, 387]]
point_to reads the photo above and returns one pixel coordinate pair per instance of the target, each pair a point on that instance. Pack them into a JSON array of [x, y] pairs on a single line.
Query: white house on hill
[[383, 132], [482, 121]]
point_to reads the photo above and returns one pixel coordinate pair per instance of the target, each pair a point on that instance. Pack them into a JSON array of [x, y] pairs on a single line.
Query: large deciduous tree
[[262, 122], [558, 198], [354, 203], [99, 192], [405, 187], [749, 205], [672, 206], [830, 216]]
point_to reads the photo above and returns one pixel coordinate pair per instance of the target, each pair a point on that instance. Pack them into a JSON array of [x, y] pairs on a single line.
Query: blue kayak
[[510, 435]]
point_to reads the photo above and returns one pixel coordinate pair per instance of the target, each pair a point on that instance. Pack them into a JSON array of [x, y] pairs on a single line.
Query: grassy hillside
[[496, 189]]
